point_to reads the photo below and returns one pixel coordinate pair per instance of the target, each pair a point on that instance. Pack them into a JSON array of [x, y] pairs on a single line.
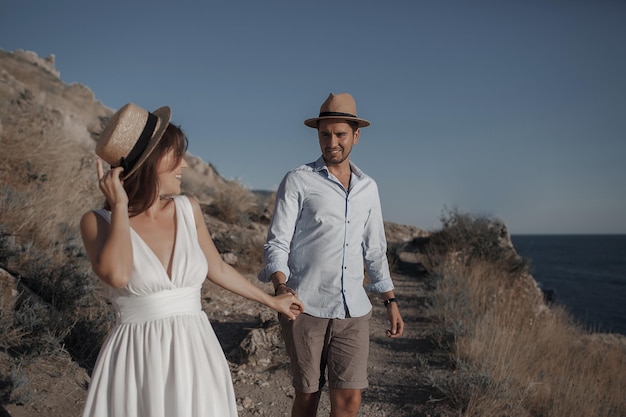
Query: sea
[[584, 273]]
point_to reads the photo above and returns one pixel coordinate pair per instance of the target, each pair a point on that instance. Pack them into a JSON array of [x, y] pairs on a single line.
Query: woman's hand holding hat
[[111, 185]]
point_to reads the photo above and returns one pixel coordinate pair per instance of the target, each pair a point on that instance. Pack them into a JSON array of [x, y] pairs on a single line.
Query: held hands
[[289, 303], [111, 185]]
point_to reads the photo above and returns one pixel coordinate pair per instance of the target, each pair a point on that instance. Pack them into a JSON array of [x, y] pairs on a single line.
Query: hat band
[[335, 114], [140, 146]]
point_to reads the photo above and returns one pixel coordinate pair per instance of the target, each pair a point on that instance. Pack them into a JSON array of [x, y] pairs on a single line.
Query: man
[[326, 230]]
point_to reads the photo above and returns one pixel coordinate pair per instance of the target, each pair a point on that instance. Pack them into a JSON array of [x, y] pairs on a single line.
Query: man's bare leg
[[305, 404], [344, 402]]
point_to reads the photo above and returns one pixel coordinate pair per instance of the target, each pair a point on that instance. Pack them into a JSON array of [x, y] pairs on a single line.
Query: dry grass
[[46, 182], [514, 355]]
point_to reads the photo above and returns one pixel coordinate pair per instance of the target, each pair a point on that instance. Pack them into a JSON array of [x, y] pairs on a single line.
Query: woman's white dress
[[162, 358]]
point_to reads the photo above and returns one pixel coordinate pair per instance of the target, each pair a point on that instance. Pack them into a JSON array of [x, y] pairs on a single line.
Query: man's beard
[[335, 160]]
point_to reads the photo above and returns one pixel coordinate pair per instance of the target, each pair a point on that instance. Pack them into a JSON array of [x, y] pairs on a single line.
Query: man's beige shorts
[[315, 345]]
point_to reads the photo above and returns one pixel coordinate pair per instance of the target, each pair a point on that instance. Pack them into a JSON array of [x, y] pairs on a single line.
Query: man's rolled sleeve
[[380, 286], [276, 254], [266, 273]]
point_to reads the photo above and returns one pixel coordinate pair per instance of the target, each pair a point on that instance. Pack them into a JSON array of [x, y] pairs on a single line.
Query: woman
[[152, 248]]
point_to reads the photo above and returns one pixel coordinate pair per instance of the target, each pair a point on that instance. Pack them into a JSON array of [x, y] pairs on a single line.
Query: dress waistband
[[158, 305]]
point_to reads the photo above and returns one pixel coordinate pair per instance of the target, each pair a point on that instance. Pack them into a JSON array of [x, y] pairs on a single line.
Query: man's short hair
[[353, 124]]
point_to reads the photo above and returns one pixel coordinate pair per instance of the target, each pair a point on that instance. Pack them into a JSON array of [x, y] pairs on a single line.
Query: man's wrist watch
[[389, 301], [280, 284]]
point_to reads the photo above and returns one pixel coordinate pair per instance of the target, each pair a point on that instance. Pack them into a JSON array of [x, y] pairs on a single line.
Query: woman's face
[[170, 173]]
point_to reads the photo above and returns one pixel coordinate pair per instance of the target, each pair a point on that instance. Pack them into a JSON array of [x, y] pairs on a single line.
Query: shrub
[[234, 203], [513, 354], [14, 387]]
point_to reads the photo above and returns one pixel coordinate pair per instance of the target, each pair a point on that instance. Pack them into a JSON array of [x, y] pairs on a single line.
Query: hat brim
[[163, 115], [314, 121]]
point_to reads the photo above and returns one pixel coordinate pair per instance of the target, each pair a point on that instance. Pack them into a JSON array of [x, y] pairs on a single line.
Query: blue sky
[[514, 109]]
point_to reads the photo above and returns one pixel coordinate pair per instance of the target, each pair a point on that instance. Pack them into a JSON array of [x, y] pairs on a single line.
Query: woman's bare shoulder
[[93, 219], [89, 217]]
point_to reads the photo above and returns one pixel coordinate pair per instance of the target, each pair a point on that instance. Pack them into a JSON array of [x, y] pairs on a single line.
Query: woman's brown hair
[[143, 185]]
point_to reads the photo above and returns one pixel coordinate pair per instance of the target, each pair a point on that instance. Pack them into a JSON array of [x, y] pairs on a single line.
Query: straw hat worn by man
[[326, 229]]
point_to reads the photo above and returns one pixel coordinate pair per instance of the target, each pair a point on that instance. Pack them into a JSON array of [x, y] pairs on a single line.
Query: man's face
[[336, 140]]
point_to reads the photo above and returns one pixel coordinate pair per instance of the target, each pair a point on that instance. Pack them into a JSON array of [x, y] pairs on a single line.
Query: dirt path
[[397, 384]]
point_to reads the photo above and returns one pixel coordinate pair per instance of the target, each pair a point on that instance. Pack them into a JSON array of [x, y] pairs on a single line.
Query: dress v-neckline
[[172, 255]]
